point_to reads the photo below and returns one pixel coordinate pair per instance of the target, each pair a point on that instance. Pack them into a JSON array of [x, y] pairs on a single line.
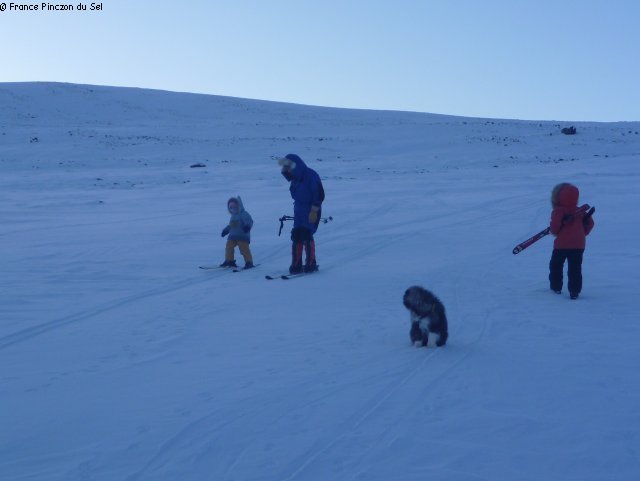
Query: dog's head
[[418, 300], [412, 297]]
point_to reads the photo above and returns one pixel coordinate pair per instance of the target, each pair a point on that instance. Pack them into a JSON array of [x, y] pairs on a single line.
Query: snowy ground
[[121, 360]]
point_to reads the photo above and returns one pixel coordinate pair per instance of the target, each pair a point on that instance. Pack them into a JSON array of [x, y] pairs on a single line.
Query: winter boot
[[249, 265], [231, 263], [313, 267]]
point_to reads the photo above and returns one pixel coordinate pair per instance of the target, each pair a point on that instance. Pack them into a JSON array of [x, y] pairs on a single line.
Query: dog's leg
[[415, 333], [444, 330]]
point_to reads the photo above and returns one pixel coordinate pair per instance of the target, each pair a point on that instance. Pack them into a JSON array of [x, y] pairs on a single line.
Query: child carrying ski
[[238, 230], [570, 227]]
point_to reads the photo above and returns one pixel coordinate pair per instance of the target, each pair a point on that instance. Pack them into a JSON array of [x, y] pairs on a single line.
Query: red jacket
[[570, 232]]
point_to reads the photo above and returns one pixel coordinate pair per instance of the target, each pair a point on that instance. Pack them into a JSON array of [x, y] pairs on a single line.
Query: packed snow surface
[[121, 360]]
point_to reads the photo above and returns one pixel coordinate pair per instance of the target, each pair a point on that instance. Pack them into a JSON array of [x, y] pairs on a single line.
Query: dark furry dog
[[427, 315]]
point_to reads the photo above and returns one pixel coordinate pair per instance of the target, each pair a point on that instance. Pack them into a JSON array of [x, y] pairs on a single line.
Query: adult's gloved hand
[[313, 215], [225, 231]]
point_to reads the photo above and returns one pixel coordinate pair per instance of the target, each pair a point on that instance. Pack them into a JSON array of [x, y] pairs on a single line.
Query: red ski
[[583, 209]]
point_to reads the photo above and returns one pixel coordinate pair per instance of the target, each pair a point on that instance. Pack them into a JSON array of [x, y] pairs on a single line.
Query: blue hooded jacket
[[306, 191], [239, 221]]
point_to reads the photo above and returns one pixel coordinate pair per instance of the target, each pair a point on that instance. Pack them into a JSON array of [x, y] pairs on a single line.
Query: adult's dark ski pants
[[556, 267], [302, 240]]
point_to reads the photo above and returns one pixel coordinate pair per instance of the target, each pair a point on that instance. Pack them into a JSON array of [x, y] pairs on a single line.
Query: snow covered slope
[[121, 360]]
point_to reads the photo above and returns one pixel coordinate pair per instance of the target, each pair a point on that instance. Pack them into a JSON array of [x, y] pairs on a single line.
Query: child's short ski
[[213, 267], [531, 240], [584, 209]]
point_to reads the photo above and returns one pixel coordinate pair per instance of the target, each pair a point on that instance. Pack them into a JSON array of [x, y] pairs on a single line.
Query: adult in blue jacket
[[307, 193]]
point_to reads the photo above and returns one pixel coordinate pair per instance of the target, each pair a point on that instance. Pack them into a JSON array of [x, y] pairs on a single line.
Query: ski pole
[[282, 221], [285, 218]]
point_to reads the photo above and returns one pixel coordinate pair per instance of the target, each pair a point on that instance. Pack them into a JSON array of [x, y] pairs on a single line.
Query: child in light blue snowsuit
[[238, 230]]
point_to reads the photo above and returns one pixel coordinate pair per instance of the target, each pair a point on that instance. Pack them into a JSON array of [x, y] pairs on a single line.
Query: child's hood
[[238, 201], [566, 195]]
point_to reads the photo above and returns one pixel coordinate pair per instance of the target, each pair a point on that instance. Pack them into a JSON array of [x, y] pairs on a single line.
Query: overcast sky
[[528, 59]]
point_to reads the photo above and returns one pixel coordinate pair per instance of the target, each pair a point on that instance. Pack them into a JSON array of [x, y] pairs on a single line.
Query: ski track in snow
[[395, 392], [399, 394], [403, 397], [34, 331]]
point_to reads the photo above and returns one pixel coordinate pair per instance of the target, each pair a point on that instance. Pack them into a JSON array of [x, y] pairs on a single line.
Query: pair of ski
[[287, 276], [584, 209]]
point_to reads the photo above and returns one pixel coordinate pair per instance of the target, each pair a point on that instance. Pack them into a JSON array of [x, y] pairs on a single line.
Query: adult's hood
[[300, 168]]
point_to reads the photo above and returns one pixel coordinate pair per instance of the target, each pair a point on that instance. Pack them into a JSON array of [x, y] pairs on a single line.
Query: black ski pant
[[556, 267]]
